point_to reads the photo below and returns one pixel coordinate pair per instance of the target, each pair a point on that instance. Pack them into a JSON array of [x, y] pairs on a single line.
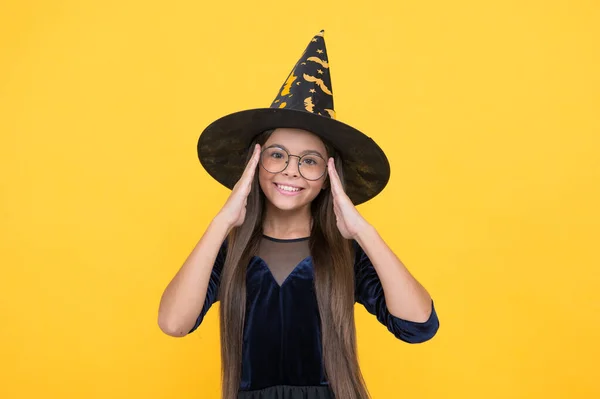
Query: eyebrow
[[302, 153]]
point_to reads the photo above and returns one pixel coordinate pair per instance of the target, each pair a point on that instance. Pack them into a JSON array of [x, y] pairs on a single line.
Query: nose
[[293, 167]]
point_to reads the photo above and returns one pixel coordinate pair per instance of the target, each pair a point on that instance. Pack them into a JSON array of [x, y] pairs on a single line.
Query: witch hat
[[305, 101]]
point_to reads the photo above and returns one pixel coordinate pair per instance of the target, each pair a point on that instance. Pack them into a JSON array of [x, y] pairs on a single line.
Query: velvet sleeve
[[212, 290], [369, 293]]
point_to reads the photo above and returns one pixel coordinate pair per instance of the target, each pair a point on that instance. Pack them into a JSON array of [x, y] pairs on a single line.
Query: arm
[[382, 292], [383, 284], [404, 295], [194, 288]]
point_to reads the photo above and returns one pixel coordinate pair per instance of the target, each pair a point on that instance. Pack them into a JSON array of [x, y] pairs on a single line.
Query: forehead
[[296, 140]]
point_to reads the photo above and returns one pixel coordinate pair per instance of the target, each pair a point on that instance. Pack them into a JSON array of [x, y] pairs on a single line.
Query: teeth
[[288, 188]]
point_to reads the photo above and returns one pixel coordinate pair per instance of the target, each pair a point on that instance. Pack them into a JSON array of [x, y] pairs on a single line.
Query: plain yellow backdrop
[[488, 112]]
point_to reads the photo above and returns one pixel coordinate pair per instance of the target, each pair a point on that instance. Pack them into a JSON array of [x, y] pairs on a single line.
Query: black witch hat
[[305, 101]]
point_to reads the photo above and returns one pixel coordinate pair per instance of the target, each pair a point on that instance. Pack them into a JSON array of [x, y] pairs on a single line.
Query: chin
[[287, 204]]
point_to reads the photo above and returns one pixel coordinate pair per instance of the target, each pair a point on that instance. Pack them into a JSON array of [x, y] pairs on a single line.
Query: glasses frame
[[287, 163]]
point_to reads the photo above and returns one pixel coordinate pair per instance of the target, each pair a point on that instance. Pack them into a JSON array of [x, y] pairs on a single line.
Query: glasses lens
[[274, 159], [312, 167]]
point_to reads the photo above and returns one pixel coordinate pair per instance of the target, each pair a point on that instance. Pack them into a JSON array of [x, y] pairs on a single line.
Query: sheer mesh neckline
[[283, 256]]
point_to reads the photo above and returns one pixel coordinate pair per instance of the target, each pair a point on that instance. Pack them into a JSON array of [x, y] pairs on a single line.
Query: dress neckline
[[285, 239]]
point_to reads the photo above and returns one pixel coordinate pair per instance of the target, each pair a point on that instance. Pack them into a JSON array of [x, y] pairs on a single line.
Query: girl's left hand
[[349, 220]]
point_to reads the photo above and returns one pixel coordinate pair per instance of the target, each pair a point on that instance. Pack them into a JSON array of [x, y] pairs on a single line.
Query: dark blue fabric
[[282, 335], [288, 392], [369, 293]]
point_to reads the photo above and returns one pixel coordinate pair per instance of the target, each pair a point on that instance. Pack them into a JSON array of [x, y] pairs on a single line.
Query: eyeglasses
[[275, 160]]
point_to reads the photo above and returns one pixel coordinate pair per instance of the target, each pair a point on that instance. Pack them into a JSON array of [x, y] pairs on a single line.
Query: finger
[[336, 209], [248, 174], [253, 159], [336, 186], [333, 171], [334, 178]]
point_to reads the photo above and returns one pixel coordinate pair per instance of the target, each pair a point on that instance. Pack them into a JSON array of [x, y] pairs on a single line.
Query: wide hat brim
[[224, 145]]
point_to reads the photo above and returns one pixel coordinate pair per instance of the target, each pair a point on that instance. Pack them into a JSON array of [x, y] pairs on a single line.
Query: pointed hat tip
[[321, 32]]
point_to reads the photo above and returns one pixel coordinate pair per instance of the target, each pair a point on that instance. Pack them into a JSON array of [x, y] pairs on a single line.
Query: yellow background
[[488, 112]]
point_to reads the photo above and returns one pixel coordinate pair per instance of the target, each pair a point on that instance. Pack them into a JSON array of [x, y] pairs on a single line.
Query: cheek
[[264, 178], [316, 186]]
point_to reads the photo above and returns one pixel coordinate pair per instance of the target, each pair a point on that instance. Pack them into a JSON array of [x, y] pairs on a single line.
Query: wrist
[[220, 222], [364, 233]]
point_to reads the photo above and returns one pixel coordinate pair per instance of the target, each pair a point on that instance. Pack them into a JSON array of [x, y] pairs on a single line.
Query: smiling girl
[[289, 255]]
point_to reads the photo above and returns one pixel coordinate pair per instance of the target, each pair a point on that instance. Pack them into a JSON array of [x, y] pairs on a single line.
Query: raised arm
[[194, 288], [383, 284]]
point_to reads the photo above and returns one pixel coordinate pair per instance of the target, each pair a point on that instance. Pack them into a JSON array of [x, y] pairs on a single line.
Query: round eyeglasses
[[276, 160]]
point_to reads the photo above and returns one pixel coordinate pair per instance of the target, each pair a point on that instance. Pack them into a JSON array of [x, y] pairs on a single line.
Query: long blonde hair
[[334, 286]]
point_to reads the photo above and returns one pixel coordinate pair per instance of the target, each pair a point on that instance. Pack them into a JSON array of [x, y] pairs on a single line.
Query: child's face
[[290, 189]]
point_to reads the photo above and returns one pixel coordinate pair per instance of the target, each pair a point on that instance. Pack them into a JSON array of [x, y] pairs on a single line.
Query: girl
[[288, 254]]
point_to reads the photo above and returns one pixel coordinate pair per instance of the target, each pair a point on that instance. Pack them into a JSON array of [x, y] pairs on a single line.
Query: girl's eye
[[310, 161], [277, 155]]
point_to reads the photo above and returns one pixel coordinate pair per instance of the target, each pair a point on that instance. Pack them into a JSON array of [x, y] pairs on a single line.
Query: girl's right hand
[[233, 212]]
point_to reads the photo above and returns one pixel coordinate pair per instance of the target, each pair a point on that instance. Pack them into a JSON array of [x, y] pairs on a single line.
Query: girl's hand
[[349, 220], [233, 212]]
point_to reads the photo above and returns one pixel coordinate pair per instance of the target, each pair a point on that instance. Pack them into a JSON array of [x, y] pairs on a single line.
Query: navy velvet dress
[[282, 352]]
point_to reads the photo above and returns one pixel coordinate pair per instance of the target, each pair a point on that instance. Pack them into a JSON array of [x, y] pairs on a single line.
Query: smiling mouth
[[288, 189]]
